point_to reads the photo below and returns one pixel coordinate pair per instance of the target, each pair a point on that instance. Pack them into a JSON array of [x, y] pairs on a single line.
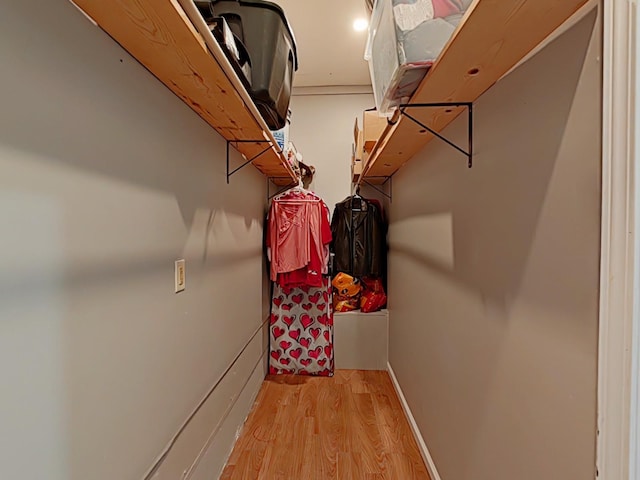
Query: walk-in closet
[[317, 239]]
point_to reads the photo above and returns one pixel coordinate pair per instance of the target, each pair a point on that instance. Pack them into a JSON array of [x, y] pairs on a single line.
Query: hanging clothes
[[298, 239], [301, 324], [359, 237]]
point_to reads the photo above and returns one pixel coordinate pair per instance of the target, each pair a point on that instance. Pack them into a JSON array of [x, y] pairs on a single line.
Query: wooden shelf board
[[162, 38], [492, 38]]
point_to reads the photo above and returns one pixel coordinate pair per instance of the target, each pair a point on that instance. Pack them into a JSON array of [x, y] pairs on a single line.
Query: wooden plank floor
[[348, 427]]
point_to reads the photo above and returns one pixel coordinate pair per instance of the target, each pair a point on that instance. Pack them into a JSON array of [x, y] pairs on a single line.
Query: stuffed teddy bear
[[346, 292]]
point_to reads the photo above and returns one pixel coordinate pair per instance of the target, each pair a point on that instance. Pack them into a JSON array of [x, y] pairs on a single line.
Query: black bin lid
[[270, 6]]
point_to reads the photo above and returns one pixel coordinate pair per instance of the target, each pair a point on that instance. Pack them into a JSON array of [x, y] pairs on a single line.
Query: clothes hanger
[[356, 196], [298, 189]]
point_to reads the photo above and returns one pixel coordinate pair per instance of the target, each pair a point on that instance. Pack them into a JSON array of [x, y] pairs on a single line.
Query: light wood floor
[[349, 427]]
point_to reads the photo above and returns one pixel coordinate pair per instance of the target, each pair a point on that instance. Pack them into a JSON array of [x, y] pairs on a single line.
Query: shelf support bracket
[[251, 160], [469, 105], [388, 180], [279, 191]]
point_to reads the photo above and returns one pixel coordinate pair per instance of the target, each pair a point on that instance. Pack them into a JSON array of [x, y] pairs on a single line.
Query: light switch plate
[[180, 275]]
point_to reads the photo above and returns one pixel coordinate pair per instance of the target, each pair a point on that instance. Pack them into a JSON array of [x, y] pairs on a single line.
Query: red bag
[[373, 297]]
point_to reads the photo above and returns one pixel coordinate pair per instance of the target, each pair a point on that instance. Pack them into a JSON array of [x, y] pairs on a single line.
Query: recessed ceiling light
[[360, 24]]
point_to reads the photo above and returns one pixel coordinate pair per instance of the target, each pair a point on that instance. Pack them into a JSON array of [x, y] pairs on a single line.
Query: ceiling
[[330, 52]]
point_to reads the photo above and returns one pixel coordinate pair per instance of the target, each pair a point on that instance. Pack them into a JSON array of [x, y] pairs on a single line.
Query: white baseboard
[[422, 446], [215, 457], [199, 450]]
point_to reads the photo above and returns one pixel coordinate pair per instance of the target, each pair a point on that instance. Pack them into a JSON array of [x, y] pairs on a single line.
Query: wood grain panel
[[494, 36], [161, 37], [349, 427], [330, 424]]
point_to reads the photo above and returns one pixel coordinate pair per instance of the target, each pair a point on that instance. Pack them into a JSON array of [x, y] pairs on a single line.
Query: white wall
[[322, 130], [494, 275], [106, 179]]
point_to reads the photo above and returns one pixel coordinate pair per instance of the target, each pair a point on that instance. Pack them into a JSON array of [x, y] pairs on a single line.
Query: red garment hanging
[[299, 230]]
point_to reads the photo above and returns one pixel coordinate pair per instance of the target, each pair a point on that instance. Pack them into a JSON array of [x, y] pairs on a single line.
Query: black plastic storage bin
[[231, 45], [263, 29], [233, 48]]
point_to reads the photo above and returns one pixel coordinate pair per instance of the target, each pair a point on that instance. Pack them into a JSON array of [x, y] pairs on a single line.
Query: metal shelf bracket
[[251, 160], [278, 191], [469, 105], [388, 180]]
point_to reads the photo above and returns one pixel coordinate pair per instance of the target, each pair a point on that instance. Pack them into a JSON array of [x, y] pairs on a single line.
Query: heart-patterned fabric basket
[[301, 330]]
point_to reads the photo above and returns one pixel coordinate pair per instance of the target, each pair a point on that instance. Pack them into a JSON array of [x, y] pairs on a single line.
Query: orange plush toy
[[346, 293]]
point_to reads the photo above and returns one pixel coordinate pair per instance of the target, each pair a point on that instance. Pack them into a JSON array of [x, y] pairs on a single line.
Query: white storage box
[[282, 135], [405, 39]]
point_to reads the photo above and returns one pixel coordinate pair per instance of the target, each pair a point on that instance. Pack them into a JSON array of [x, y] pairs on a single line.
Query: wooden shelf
[[493, 37], [160, 35]]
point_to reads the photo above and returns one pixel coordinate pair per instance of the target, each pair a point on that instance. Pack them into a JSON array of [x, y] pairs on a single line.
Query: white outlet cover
[[180, 275]]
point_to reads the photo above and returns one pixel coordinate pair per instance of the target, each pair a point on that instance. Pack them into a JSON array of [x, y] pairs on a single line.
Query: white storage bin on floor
[[361, 340]]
